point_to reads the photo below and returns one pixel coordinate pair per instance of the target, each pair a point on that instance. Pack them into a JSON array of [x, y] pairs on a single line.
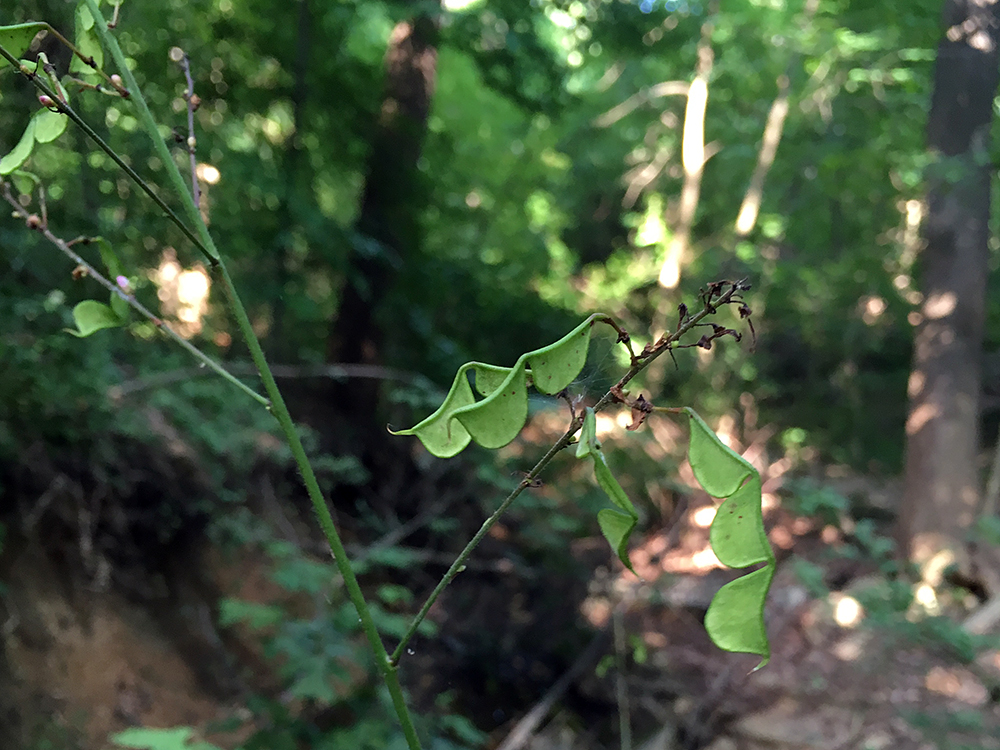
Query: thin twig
[[621, 681], [67, 110], [129, 298], [192, 104]]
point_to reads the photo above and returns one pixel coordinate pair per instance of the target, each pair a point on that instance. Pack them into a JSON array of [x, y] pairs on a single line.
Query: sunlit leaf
[[20, 153], [91, 316], [735, 618], [500, 415], [737, 534], [16, 39], [718, 469]]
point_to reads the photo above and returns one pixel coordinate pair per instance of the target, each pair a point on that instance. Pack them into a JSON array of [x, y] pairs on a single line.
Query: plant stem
[[278, 407], [133, 302], [639, 363], [67, 110]]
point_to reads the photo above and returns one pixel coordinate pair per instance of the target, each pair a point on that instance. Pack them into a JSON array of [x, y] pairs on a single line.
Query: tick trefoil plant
[[490, 410]]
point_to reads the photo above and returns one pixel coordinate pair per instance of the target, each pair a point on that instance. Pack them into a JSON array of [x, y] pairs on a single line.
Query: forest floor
[[85, 661]]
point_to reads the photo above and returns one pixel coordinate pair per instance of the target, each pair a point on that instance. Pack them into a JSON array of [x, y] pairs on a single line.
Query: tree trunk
[[387, 228], [941, 492]]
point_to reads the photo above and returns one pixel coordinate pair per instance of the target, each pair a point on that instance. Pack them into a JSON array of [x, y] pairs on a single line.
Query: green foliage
[[616, 525], [175, 738], [735, 618]]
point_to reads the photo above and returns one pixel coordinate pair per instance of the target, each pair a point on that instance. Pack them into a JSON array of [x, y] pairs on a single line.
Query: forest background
[[401, 187]]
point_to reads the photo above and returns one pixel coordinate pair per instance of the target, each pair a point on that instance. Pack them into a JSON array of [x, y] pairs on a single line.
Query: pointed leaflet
[[115, 271], [556, 366], [16, 39], [735, 619], [616, 526], [496, 420], [440, 435]]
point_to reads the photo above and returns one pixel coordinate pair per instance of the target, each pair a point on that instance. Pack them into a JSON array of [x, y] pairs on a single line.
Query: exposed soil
[[87, 651]]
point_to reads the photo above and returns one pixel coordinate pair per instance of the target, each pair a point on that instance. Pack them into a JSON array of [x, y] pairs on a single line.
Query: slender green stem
[[167, 331], [639, 363], [459, 564], [72, 114], [278, 407]]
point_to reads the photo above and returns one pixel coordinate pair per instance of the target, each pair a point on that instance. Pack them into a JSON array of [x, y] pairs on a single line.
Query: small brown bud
[[195, 102], [34, 221], [79, 272], [116, 79], [46, 101]]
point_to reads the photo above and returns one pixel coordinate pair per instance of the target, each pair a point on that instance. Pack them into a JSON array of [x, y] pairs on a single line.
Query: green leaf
[[176, 738], [496, 420], [89, 46], [717, 468], [588, 434], [735, 618], [489, 377], [500, 415], [16, 39], [84, 20], [556, 366], [49, 125], [109, 257], [440, 435], [616, 526], [20, 153], [737, 534], [91, 316]]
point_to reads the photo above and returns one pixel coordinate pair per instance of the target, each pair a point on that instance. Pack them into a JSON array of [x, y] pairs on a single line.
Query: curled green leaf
[[440, 435], [735, 618], [556, 366], [496, 420], [500, 415]]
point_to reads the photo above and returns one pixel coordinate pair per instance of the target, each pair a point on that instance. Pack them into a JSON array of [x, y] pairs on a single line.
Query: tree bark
[[387, 228], [941, 492]]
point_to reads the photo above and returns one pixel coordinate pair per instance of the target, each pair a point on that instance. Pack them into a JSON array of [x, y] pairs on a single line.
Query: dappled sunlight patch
[[183, 292], [956, 683]]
